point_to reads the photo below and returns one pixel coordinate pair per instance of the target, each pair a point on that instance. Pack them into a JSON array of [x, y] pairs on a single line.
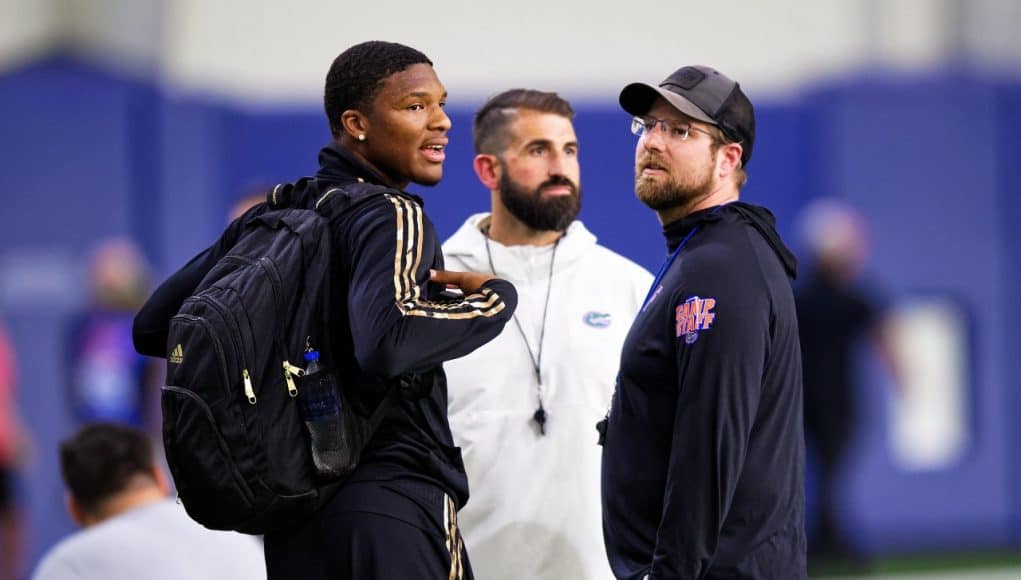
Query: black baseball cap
[[702, 93]]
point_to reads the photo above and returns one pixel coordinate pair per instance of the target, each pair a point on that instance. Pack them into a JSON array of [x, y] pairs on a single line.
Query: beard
[[673, 192], [536, 211]]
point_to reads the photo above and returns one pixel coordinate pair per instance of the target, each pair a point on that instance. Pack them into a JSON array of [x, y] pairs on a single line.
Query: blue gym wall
[[85, 154]]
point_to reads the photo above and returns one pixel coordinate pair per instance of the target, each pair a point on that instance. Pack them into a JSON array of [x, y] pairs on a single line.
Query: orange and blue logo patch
[[694, 315]]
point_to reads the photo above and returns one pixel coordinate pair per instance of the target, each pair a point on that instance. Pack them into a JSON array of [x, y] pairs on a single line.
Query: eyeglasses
[[644, 124]]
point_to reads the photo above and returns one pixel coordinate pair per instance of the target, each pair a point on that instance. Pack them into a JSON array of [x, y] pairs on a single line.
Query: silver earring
[[361, 136]]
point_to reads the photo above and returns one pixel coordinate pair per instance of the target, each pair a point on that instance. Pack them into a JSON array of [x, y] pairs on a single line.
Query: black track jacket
[[384, 246], [703, 460]]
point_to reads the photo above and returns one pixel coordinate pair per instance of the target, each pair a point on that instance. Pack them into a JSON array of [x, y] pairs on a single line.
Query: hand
[[467, 282]]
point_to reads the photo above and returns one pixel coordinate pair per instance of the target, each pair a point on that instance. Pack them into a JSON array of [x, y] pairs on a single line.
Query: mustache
[[649, 161], [558, 180]]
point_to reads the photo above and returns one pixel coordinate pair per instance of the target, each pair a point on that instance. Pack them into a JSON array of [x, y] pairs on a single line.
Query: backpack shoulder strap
[[329, 202], [377, 415], [283, 194], [334, 200]]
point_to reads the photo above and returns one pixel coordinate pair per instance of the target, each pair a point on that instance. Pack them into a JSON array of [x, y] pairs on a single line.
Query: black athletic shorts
[[396, 530]]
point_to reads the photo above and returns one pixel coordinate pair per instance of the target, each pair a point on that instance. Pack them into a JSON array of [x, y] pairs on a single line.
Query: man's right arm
[[397, 324]]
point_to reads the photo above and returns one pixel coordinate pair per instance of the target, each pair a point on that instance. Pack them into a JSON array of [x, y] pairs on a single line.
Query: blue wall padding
[[932, 162]]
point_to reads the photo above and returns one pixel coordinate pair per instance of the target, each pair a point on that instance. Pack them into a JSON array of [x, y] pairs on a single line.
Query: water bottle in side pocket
[[322, 409]]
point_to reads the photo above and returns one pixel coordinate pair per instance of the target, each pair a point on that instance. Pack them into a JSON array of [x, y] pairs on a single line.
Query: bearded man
[[523, 406], [703, 461]]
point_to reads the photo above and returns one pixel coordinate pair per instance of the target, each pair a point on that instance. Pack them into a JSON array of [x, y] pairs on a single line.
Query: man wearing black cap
[[703, 460]]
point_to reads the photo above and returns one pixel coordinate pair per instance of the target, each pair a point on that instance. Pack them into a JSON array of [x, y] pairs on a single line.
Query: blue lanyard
[[655, 284], [670, 262], [666, 266]]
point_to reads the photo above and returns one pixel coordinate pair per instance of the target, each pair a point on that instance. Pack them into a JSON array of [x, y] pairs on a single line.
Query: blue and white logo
[[597, 319]]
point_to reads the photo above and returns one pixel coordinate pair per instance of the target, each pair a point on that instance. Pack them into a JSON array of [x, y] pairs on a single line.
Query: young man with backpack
[[388, 325]]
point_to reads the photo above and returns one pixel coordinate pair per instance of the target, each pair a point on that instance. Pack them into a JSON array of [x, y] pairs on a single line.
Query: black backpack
[[233, 431]]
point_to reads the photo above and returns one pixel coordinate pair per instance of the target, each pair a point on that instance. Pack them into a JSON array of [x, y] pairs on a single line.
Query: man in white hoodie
[[523, 407]]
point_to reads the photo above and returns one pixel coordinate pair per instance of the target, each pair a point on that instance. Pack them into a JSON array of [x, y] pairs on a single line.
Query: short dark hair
[[489, 130], [100, 460], [720, 138], [355, 77]]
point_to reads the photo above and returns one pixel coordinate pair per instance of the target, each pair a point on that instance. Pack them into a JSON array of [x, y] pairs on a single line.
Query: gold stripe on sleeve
[[408, 260]]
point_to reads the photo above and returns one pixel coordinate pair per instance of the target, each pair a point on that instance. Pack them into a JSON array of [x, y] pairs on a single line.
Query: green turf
[[948, 561], [927, 562]]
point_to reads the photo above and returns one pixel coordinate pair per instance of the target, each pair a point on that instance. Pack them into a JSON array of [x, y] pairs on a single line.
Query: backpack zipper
[[237, 344], [249, 391], [290, 372], [267, 266]]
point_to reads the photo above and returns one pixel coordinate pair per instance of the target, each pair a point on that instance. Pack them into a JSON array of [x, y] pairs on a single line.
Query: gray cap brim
[[637, 99]]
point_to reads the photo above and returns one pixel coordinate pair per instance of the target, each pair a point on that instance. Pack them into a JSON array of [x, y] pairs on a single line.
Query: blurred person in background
[[836, 315], [522, 407], [106, 379], [703, 464], [132, 530], [13, 450], [253, 196]]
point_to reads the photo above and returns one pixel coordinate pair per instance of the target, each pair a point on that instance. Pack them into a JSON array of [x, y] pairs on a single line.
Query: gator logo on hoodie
[[597, 319], [693, 315]]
